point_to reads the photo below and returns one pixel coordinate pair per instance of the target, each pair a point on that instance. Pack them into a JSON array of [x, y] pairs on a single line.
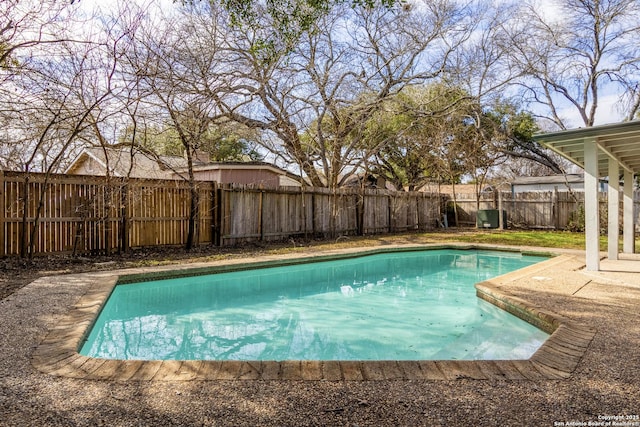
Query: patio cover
[[603, 151]]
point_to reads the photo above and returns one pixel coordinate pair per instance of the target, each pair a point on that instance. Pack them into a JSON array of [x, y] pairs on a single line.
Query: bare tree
[[631, 98], [26, 24], [575, 53], [175, 64], [515, 167], [27, 30], [328, 86], [58, 84]]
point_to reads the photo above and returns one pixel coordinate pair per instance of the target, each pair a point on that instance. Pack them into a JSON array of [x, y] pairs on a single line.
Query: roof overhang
[[85, 154], [620, 141], [263, 166]]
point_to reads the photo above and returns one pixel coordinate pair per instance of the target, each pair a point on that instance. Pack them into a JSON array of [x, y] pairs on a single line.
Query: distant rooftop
[[550, 179]]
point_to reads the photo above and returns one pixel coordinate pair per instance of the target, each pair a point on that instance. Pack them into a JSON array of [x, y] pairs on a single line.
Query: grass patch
[[517, 238], [547, 239], [539, 238]]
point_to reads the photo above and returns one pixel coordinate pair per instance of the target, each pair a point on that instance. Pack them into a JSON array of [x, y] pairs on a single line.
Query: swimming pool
[[418, 305]]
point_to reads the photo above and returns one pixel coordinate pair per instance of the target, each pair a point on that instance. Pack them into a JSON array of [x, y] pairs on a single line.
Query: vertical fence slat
[[3, 214]]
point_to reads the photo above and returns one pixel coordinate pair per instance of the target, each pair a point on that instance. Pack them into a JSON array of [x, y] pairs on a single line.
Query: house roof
[[240, 165], [550, 179], [253, 165], [121, 161], [448, 188], [147, 165]]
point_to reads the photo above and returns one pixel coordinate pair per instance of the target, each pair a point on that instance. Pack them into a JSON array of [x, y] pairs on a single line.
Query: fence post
[[555, 211], [360, 212], [260, 215], [107, 196], [3, 213], [216, 222], [419, 198], [23, 228], [124, 227], [303, 206], [313, 212], [221, 206], [501, 223], [390, 212]]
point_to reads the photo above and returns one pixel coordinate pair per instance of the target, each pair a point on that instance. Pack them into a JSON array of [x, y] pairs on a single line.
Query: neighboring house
[[573, 182], [121, 163], [256, 173], [459, 188]]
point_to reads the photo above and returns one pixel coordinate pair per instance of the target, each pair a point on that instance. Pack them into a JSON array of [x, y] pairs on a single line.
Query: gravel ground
[[605, 384]]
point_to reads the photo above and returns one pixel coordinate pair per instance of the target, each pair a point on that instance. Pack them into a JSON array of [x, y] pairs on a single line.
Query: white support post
[[628, 237], [613, 208], [591, 214]]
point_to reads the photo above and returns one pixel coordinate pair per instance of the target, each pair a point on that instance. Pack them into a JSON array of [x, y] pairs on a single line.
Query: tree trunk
[[455, 204], [194, 215]]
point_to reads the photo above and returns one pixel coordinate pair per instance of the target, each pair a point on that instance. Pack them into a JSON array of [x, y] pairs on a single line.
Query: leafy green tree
[[513, 132], [416, 133], [161, 140], [231, 142], [289, 19], [223, 142]]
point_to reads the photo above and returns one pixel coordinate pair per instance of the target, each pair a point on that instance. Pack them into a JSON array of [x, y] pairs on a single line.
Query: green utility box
[[488, 218]]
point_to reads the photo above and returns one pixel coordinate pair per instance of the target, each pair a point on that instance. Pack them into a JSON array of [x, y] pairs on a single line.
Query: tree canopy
[[326, 88]]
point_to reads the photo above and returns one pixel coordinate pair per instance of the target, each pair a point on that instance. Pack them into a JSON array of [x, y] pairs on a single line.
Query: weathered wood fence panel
[[467, 206], [251, 214], [42, 214], [46, 214], [567, 205], [3, 210], [377, 213], [81, 214], [545, 210], [533, 210], [52, 215], [158, 212], [414, 211], [537, 209], [241, 216]]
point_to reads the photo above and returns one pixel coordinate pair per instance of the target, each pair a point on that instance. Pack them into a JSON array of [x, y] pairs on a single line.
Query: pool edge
[[557, 358]]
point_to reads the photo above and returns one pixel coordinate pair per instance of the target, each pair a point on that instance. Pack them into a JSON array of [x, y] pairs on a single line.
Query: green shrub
[[576, 219]]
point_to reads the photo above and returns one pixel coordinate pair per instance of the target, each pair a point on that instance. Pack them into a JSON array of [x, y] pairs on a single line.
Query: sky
[[608, 111]]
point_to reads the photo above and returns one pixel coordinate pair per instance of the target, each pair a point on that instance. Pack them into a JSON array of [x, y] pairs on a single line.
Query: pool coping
[[557, 358]]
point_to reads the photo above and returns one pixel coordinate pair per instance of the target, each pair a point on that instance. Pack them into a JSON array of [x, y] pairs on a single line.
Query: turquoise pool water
[[418, 305]]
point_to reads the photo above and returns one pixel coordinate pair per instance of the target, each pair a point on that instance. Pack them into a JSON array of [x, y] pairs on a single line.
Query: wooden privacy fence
[[247, 214], [42, 214], [537, 209], [54, 214], [49, 214]]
